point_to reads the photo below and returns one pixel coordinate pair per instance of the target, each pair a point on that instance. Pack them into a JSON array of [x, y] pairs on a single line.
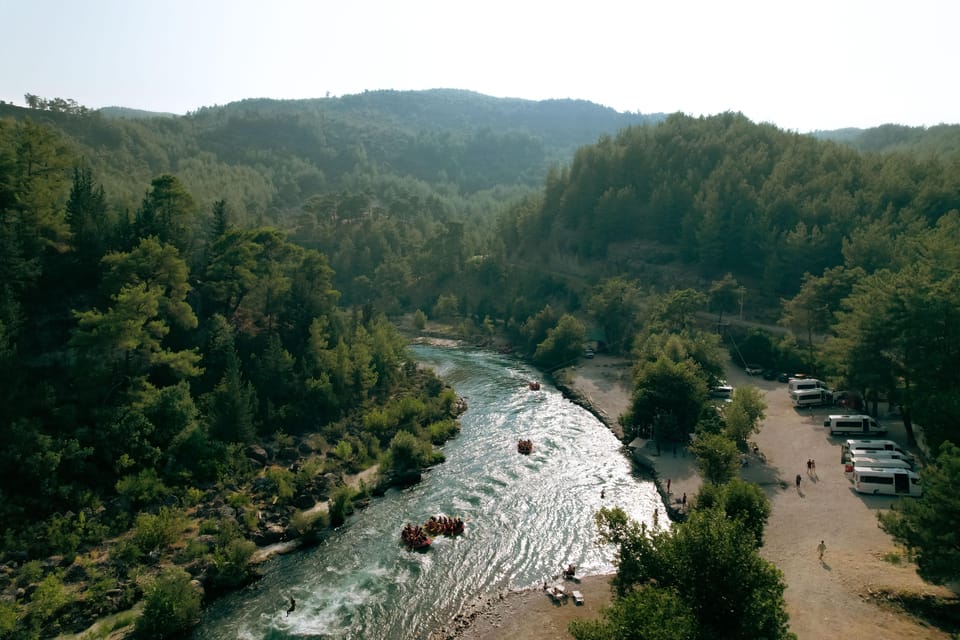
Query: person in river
[[293, 605]]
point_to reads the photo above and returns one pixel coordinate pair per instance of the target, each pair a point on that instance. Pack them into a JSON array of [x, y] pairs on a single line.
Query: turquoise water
[[526, 516]]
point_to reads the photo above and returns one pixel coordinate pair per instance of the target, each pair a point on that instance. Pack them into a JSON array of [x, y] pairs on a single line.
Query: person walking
[[668, 486], [683, 501], [821, 548], [813, 467], [798, 482]]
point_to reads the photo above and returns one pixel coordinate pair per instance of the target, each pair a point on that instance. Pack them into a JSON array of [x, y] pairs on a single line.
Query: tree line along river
[[526, 516]]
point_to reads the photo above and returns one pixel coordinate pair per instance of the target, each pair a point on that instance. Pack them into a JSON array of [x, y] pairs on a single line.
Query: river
[[526, 516]]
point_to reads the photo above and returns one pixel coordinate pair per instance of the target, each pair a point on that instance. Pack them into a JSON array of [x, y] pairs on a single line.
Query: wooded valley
[[183, 298]]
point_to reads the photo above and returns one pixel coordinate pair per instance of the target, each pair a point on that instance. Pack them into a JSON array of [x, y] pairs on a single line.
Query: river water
[[526, 516]]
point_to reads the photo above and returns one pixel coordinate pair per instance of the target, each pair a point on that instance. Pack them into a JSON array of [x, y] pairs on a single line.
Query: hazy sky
[[802, 65]]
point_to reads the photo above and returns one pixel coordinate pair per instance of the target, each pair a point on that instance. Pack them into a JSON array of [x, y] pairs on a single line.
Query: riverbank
[[858, 587]]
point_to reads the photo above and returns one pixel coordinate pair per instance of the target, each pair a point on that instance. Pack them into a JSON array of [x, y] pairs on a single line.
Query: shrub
[[143, 488], [232, 563], [155, 531], [341, 505], [49, 598], [442, 431], [283, 482], [171, 606]]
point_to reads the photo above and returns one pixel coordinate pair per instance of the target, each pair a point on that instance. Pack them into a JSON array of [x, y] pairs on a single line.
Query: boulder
[[304, 501], [258, 453]]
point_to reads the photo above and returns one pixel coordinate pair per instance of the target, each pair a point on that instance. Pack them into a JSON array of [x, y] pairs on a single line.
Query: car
[[753, 369], [588, 353], [783, 377], [769, 374]]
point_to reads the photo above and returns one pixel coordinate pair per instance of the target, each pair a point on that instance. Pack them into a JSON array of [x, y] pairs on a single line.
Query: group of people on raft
[[414, 536], [524, 446], [443, 525]]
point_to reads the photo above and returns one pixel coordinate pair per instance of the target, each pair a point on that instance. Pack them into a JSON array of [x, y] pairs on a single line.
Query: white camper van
[[876, 463], [899, 482], [853, 424], [872, 448], [811, 398]]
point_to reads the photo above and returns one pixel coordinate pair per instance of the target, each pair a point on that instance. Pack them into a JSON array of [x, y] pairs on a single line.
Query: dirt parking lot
[[838, 595]]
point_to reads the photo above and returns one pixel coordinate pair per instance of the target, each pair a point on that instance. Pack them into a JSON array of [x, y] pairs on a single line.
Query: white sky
[[802, 65]]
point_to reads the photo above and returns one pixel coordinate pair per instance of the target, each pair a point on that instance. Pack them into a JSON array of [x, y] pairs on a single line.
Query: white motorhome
[[853, 424], [876, 463], [811, 398], [899, 482], [805, 384], [872, 448]]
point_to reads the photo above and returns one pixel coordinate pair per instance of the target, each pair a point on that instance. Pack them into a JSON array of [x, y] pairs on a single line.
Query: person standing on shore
[[821, 548], [798, 482]]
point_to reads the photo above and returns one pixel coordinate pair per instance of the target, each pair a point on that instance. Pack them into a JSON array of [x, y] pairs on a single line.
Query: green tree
[[171, 606], [168, 212], [665, 387], [739, 500], [717, 457], [711, 563], [86, 214], [406, 455], [125, 343], [678, 308], [744, 413], [563, 344], [644, 614], [811, 312], [930, 525], [724, 296], [615, 306]]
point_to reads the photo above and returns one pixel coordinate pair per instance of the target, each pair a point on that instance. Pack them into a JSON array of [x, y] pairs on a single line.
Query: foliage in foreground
[[710, 563], [930, 525]]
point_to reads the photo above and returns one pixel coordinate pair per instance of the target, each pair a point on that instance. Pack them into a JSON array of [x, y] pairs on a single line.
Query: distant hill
[[132, 114], [273, 155], [942, 139]]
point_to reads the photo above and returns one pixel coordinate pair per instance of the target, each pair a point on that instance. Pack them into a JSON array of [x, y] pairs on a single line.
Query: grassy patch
[[942, 613]]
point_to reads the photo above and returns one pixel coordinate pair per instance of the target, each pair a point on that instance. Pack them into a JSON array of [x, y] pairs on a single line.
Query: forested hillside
[[177, 290], [722, 194], [269, 156]]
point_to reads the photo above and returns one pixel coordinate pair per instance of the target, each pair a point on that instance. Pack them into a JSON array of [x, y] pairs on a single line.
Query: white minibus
[[876, 463], [898, 482], [870, 447], [811, 398], [853, 424]]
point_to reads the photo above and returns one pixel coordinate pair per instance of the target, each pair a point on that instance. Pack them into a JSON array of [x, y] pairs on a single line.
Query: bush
[[341, 505], [171, 606], [283, 482], [232, 563], [442, 431], [155, 531], [143, 488]]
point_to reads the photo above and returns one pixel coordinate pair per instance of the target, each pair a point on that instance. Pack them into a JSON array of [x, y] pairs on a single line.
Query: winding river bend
[[526, 516]]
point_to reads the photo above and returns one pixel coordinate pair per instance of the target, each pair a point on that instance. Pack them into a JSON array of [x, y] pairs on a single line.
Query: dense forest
[[187, 299]]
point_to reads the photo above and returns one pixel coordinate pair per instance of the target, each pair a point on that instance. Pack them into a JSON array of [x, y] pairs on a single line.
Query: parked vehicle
[[876, 463], [871, 447], [887, 455], [887, 481], [811, 398], [722, 391], [753, 369], [853, 424]]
